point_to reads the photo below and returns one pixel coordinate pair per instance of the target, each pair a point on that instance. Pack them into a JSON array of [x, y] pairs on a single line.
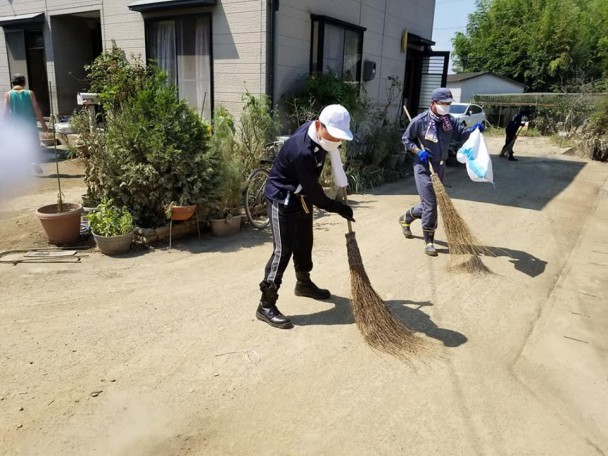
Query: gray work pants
[[426, 210]]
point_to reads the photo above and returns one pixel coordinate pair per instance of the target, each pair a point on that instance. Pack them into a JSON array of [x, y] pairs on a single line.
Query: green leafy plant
[[110, 220], [319, 90], [115, 78], [257, 128], [231, 169], [154, 149], [593, 141]]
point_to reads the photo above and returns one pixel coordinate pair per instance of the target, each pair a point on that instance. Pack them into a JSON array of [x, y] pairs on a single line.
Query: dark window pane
[[457, 109]]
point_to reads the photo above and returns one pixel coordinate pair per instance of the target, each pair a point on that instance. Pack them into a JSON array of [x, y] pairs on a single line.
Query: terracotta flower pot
[[113, 245], [182, 212], [226, 226], [61, 227]]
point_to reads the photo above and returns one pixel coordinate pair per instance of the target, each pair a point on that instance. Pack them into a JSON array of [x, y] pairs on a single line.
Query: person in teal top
[[21, 105]]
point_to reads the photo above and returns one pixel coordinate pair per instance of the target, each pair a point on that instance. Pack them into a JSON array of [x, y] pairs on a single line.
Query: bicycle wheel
[[255, 202]]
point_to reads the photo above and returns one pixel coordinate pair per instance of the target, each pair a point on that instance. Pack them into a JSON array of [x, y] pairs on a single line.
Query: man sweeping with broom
[[291, 191], [428, 137]]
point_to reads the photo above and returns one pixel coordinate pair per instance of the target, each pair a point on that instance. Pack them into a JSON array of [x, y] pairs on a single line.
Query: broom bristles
[[380, 329], [464, 246]]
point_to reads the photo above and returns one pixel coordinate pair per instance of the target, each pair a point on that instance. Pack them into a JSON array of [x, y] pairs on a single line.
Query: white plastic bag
[[474, 153]]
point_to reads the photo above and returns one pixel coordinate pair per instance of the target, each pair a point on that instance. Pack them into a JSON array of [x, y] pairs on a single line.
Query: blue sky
[[451, 16]]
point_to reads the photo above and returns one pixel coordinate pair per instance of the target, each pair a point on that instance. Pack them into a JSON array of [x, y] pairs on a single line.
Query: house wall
[[381, 40], [239, 51], [240, 39], [5, 77], [484, 84], [239, 42], [238, 47]]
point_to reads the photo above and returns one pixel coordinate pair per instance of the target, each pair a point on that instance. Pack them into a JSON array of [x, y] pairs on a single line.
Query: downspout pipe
[[273, 8]]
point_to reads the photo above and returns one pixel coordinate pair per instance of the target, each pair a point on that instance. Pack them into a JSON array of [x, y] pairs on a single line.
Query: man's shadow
[[522, 261], [408, 312]]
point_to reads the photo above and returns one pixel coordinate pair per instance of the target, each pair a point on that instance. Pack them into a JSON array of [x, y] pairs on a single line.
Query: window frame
[[175, 17], [317, 42]]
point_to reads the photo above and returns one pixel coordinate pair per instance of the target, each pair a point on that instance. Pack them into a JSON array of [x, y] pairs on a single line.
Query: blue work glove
[[477, 125], [423, 155]]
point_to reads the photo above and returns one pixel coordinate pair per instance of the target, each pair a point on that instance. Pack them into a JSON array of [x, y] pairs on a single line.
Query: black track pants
[[291, 235]]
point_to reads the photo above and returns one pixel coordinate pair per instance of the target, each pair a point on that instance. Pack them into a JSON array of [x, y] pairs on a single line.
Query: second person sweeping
[[428, 137]]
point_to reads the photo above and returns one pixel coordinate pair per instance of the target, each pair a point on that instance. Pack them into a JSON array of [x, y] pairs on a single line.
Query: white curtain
[[203, 67], [333, 49], [351, 55], [194, 63], [163, 47]]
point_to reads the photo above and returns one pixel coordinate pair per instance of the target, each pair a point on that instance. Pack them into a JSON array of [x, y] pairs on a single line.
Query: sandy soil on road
[[158, 352]]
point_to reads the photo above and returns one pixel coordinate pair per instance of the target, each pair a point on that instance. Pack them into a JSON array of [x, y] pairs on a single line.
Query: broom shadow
[[522, 261], [406, 311]]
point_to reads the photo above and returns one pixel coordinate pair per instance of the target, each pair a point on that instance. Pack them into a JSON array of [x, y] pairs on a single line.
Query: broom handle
[[419, 141], [343, 194]]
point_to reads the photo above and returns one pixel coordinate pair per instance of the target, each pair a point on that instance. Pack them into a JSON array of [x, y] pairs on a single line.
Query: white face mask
[[442, 110], [329, 146]]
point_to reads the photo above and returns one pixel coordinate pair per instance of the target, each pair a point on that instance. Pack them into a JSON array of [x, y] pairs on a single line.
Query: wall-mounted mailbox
[[369, 70]]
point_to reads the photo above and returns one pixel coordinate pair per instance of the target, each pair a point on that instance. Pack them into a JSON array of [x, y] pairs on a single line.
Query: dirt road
[[159, 353]]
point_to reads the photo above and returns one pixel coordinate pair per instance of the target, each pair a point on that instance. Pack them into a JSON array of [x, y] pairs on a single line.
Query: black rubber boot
[[306, 287], [405, 227], [429, 248], [268, 311], [405, 221]]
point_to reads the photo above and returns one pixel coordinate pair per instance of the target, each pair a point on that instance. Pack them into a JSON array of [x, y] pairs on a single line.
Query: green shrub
[[257, 128], [115, 79], [110, 220], [231, 169], [564, 114], [593, 141], [319, 90], [154, 150]]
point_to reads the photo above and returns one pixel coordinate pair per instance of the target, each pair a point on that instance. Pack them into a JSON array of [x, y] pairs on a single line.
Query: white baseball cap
[[337, 121]]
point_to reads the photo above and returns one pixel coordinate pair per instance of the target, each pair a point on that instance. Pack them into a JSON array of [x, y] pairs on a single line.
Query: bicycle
[[255, 201]]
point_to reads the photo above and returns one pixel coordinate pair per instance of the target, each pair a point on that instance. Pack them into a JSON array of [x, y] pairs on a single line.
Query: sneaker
[[405, 228], [37, 168], [430, 250], [513, 159]]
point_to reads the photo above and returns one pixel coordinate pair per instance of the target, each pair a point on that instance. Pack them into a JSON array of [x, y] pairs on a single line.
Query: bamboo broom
[[380, 328]]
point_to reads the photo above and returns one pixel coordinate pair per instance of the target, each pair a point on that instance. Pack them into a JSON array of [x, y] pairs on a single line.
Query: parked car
[[468, 114]]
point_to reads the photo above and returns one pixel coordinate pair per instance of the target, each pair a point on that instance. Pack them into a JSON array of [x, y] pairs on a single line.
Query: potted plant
[[226, 217], [60, 221], [112, 228], [225, 213], [179, 212]]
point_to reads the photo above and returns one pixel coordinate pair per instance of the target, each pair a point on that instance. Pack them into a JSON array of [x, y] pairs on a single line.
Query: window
[[475, 109], [182, 47], [457, 108], [336, 47]]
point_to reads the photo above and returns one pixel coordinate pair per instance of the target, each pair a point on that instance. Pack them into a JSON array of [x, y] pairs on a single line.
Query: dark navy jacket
[[416, 131], [296, 171]]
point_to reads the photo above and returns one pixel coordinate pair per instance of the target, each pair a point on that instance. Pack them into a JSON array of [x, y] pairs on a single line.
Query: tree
[[541, 43]]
